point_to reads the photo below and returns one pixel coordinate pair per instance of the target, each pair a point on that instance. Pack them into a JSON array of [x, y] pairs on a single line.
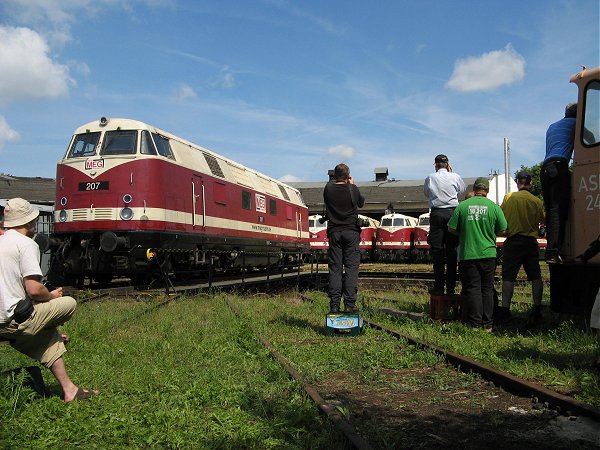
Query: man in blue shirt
[[442, 188], [556, 180]]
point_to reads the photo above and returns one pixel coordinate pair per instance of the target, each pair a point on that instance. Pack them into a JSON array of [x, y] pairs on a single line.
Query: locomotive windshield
[[84, 145], [424, 221], [121, 142]]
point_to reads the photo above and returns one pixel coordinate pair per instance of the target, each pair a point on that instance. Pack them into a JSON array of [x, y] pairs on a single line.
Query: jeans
[[477, 277], [443, 249], [344, 260], [556, 188]]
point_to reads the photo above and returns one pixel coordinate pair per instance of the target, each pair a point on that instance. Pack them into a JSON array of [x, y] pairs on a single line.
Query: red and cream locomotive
[[395, 238], [421, 249], [126, 190], [319, 242]]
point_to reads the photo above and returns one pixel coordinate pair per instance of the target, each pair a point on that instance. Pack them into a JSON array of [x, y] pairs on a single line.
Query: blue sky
[[291, 88]]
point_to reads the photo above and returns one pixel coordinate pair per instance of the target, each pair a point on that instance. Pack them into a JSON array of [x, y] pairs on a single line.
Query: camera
[[49, 285], [363, 222]]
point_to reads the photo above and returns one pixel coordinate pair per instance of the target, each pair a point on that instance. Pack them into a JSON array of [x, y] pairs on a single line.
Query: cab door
[[198, 202]]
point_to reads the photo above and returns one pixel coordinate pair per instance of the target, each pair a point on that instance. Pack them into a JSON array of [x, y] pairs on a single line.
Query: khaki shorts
[[38, 336]]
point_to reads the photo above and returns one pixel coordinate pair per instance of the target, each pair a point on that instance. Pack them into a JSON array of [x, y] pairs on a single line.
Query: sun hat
[[483, 182], [18, 212]]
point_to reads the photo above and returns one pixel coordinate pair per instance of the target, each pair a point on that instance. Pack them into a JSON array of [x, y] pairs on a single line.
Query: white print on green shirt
[[476, 212]]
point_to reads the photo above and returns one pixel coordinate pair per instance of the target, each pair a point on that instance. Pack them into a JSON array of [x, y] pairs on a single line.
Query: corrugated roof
[[33, 189]]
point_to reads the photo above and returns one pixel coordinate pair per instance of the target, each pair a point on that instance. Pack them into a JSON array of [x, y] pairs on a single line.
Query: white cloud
[[27, 70], [7, 134], [227, 78], [488, 71], [343, 151], [290, 179], [184, 92]]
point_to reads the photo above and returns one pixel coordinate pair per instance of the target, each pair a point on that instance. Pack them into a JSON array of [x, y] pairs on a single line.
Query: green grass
[[191, 374], [186, 375]]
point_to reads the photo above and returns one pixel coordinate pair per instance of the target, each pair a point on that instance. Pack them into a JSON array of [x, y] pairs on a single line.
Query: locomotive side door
[[198, 202]]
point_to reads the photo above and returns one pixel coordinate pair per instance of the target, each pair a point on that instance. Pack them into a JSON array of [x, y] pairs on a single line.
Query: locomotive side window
[[147, 147], [246, 200], [162, 144], [273, 207], [84, 145], [591, 115], [120, 142]]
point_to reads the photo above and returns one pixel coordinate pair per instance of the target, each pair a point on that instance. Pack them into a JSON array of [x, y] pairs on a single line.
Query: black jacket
[[342, 211]]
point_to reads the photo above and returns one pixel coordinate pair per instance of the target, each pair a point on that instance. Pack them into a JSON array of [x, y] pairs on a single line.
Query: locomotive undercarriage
[[144, 256]]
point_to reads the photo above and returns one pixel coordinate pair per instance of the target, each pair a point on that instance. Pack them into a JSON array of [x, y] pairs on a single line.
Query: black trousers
[[344, 261], [556, 188], [443, 249], [477, 276]]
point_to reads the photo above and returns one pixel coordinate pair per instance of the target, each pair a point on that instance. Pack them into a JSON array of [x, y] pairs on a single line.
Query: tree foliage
[[536, 188]]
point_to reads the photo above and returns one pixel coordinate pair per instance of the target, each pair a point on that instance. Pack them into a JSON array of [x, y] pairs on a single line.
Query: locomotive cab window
[[120, 142], [163, 146], [84, 145], [246, 200], [147, 146], [387, 222], [591, 115], [399, 222], [273, 207]]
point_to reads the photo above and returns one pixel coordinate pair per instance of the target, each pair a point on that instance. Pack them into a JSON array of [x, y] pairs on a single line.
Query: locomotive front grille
[[84, 214], [80, 214], [103, 214]]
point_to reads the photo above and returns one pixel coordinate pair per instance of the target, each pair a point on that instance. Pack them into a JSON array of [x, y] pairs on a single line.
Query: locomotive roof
[[132, 124]]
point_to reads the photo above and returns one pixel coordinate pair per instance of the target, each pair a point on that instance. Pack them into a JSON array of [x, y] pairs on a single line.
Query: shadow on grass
[[296, 322]]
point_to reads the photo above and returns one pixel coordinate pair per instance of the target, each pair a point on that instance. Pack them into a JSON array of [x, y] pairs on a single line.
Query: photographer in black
[[342, 200]]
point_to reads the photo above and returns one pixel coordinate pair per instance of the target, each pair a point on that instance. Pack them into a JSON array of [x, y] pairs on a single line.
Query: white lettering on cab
[[590, 184]]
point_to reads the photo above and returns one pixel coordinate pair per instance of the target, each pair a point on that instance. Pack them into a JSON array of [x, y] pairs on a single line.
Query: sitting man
[[29, 313]]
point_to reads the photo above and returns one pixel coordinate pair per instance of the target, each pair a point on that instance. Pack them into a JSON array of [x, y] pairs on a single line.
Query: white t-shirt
[[19, 258]]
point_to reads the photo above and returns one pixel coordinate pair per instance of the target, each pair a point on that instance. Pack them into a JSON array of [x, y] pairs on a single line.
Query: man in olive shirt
[[524, 212]]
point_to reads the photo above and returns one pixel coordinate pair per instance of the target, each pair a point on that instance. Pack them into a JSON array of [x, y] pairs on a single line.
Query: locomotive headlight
[[126, 213], [62, 215], [127, 198]]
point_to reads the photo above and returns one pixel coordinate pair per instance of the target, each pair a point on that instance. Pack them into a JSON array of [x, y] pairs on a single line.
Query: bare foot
[[81, 394]]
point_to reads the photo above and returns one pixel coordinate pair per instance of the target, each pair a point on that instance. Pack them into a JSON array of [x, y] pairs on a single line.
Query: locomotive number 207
[[93, 186]]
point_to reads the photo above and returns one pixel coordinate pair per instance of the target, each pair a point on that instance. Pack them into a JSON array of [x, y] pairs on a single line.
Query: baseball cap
[[482, 181], [18, 212], [441, 158], [522, 175]]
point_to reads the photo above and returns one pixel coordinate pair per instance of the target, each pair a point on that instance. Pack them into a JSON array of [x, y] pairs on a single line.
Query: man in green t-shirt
[[477, 221]]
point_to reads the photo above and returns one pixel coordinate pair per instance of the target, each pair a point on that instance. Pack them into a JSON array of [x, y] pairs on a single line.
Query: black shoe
[[502, 314], [334, 310], [535, 315], [352, 309], [554, 259]]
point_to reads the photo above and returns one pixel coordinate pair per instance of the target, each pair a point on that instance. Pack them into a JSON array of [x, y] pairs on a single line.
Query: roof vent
[[381, 173]]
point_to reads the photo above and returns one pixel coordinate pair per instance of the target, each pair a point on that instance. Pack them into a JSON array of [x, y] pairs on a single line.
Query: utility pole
[[507, 175]]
